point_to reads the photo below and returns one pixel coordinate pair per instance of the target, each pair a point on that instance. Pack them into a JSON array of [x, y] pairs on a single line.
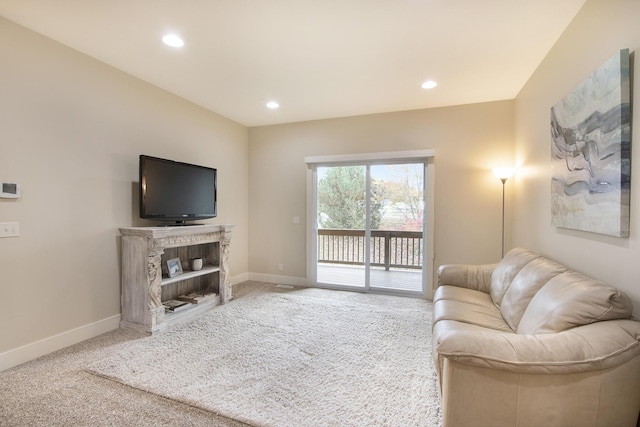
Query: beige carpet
[[302, 357]]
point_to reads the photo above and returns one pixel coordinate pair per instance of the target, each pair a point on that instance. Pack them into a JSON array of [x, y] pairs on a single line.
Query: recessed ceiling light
[[173, 40], [272, 105], [429, 84]]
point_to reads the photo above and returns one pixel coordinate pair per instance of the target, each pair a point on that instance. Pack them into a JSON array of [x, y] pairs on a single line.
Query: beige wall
[[468, 141], [71, 130], [600, 29]]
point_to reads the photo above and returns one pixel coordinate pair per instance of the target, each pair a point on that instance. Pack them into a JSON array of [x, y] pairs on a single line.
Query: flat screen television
[[176, 191]]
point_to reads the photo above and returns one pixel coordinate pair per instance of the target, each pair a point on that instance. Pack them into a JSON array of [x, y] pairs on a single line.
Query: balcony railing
[[397, 249]]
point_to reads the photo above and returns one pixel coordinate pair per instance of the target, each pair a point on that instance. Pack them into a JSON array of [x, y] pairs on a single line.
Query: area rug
[[293, 359]]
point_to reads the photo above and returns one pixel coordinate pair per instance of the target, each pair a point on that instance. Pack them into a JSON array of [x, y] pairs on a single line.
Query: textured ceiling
[[317, 58]]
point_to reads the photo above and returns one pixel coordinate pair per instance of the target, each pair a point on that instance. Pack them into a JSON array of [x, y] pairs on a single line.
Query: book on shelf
[[197, 297], [174, 305]]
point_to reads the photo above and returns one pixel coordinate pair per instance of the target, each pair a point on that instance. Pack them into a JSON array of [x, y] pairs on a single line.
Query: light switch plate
[[9, 229]]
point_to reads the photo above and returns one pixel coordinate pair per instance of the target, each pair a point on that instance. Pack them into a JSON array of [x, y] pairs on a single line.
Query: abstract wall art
[[591, 152]]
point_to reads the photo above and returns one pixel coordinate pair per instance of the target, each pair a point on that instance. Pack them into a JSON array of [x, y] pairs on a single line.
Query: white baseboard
[[28, 352], [284, 280], [239, 278]]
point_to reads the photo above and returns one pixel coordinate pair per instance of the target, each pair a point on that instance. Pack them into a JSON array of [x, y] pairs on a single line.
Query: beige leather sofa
[[528, 342]]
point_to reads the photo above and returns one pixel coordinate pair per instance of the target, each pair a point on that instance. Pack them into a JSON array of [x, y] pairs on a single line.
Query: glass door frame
[[419, 156]]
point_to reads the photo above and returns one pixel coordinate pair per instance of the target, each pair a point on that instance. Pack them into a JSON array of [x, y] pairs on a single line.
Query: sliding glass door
[[397, 225], [341, 213], [369, 232]]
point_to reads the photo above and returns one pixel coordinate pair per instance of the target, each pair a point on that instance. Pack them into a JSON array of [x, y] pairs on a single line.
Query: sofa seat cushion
[[571, 299], [593, 347], [484, 315], [456, 293]]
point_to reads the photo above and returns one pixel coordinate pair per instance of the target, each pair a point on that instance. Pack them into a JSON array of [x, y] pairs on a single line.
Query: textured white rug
[[294, 359]]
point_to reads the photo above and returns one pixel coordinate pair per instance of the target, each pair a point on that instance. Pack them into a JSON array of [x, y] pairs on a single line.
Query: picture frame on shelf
[[174, 267]]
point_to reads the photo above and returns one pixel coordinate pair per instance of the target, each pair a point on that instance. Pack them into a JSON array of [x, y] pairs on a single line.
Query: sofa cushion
[[506, 270], [486, 315], [589, 348], [524, 286], [571, 299]]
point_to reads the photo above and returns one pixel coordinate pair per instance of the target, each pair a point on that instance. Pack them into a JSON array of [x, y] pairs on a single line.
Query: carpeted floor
[[56, 390]]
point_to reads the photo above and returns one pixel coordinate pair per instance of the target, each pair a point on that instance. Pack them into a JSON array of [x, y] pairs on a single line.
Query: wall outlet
[[280, 267], [9, 229], [296, 220]]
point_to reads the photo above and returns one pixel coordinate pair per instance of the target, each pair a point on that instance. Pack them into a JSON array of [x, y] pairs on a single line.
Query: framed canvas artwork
[[591, 152]]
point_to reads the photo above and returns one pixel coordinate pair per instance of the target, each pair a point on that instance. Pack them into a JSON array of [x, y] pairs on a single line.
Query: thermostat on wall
[[10, 191]]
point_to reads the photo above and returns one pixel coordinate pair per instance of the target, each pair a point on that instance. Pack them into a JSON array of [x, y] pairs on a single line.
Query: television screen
[[176, 191]]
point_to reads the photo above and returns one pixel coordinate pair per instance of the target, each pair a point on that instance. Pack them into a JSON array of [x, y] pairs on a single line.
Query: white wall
[[468, 140], [71, 130], [600, 29]]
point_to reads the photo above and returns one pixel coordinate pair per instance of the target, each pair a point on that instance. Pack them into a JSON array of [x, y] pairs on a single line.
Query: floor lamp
[[503, 175]]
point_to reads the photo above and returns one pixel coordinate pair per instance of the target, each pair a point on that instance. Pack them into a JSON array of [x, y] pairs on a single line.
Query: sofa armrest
[[585, 348], [477, 277]]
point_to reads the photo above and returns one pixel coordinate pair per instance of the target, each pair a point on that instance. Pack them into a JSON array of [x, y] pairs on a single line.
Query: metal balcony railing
[[397, 249]]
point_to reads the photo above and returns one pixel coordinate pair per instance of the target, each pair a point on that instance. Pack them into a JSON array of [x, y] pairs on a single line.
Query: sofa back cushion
[[571, 299], [506, 270], [524, 286]]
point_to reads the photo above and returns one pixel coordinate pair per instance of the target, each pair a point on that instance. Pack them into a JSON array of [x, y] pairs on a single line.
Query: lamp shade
[[503, 173]]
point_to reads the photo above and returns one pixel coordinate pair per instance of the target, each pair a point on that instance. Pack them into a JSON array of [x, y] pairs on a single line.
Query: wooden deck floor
[[354, 277]]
